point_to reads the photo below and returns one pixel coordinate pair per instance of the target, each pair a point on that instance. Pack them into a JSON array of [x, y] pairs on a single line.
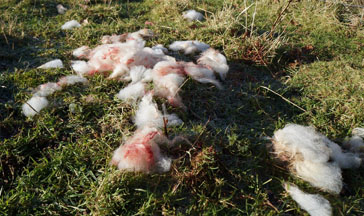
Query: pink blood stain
[[140, 147]]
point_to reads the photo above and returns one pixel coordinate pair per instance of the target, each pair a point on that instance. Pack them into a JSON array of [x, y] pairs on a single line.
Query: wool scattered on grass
[[192, 15], [57, 63], [308, 154], [70, 25], [39, 100], [34, 105], [314, 204], [125, 58]]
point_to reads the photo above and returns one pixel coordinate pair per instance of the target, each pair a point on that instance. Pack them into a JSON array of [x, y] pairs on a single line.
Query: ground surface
[[310, 53]]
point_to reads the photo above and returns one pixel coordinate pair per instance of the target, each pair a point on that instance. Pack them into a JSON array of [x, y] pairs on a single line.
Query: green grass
[[58, 162]]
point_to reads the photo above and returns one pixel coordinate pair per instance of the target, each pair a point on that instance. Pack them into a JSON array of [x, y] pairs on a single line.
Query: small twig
[[279, 19], [285, 99], [165, 120]]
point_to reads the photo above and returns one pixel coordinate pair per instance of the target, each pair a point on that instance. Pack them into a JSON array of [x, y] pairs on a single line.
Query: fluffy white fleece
[[314, 204], [189, 46], [70, 25], [216, 61], [141, 153], [201, 74], [140, 73], [34, 105], [192, 15], [132, 92], [47, 89], [308, 153], [148, 115], [57, 63]]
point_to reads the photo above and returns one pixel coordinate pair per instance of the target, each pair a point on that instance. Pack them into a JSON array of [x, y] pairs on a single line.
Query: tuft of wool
[[214, 60], [82, 67], [326, 176], [71, 80], [192, 15], [356, 144], [347, 160], [141, 153], [308, 153], [47, 89], [61, 9], [82, 52], [57, 63], [161, 48], [140, 73], [70, 25], [34, 105], [201, 74], [132, 92], [148, 115], [189, 47], [314, 204]]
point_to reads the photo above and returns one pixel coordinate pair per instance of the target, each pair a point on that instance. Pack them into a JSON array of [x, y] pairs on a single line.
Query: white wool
[[326, 176], [163, 164], [358, 132], [132, 92], [119, 71], [356, 144], [115, 57], [57, 63], [148, 115], [314, 204], [61, 9], [308, 153], [214, 60], [192, 15], [70, 25], [345, 160], [148, 57], [201, 74], [71, 80], [34, 105], [140, 73], [141, 153], [189, 47], [47, 89], [160, 47], [81, 67], [297, 139], [81, 52]]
